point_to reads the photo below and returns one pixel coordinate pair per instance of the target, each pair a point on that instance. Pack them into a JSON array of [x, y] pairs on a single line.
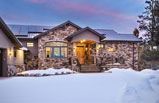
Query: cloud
[[15, 17], [84, 9]]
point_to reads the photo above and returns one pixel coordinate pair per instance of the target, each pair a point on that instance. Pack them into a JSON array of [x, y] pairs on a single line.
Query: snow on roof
[[26, 29], [121, 37], [106, 31], [112, 35], [23, 31]]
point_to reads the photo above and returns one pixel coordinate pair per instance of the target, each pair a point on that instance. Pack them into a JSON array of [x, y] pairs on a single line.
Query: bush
[[150, 55]]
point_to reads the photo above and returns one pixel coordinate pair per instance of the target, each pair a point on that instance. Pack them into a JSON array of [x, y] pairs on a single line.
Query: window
[[48, 52], [56, 52], [30, 44], [56, 49], [64, 52]]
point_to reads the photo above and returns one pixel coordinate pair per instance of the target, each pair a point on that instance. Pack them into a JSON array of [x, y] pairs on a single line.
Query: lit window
[[56, 52], [56, 49], [30, 44], [48, 52], [64, 52]]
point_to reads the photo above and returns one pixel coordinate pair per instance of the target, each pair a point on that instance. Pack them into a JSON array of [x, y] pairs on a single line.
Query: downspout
[[133, 58]]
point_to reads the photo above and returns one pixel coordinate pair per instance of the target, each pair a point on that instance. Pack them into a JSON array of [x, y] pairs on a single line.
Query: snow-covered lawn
[[117, 86]]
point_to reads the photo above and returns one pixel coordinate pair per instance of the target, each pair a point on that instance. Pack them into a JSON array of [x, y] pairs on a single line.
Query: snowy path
[[120, 86]]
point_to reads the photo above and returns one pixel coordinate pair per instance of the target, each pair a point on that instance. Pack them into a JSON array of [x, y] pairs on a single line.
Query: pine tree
[[136, 32], [149, 22]]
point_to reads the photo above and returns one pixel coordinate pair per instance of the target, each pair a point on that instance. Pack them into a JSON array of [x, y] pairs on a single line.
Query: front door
[[1, 60], [80, 52]]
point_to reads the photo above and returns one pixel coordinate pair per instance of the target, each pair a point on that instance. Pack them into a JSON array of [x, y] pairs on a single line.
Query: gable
[[86, 35], [7, 32], [59, 34], [4, 40], [66, 26]]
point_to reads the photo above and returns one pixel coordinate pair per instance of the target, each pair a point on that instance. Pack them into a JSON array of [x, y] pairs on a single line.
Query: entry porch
[[86, 44]]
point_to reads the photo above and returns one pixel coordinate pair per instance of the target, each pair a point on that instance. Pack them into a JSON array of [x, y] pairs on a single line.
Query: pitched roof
[[31, 31], [111, 35], [9, 34], [106, 31], [28, 31], [61, 25], [82, 30]]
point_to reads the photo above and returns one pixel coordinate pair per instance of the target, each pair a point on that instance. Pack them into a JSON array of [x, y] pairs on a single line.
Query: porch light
[[99, 46], [111, 49], [82, 41], [10, 51]]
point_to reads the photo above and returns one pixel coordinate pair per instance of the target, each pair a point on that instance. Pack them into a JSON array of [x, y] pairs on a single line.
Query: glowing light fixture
[[111, 49], [82, 41]]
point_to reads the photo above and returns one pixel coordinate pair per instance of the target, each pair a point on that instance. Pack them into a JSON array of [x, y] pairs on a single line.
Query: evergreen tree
[[136, 32], [149, 22]]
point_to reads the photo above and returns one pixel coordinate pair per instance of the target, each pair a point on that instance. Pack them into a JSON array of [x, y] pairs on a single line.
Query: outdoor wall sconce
[[111, 49], [82, 41], [10, 52]]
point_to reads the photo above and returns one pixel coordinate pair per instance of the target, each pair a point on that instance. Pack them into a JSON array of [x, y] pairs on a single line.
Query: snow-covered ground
[[114, 86]]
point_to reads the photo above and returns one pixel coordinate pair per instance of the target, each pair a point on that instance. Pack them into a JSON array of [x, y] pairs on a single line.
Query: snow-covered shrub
[[47, 72]]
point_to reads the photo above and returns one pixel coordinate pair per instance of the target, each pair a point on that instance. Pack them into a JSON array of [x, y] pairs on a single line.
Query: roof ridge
[[55, 27]]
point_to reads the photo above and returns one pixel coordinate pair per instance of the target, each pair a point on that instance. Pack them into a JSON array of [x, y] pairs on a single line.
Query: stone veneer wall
[[122, 49], [56, 35]]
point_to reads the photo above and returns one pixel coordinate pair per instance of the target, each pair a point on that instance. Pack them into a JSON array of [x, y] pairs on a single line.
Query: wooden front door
[[80, 52], [1, 61]]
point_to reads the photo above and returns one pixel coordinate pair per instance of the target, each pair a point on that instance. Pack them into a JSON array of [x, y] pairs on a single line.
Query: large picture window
[[56, 50]]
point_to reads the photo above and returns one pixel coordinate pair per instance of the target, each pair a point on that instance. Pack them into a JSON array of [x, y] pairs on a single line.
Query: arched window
[[56, 49]]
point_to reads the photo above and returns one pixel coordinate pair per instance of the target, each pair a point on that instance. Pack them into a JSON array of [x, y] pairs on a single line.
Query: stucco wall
[[13, 59], [4, 41]]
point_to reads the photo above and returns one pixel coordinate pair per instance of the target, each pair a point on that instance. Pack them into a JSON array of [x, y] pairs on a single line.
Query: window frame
[[59, 47]]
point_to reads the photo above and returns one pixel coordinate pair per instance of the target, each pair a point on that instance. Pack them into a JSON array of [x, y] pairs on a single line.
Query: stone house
[[10, 53], [68, 44]]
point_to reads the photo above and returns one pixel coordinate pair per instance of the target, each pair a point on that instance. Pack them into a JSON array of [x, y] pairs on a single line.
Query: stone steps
[[89, 68]]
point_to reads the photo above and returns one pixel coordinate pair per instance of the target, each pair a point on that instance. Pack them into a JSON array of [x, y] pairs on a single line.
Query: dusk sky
[[120, 15]]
